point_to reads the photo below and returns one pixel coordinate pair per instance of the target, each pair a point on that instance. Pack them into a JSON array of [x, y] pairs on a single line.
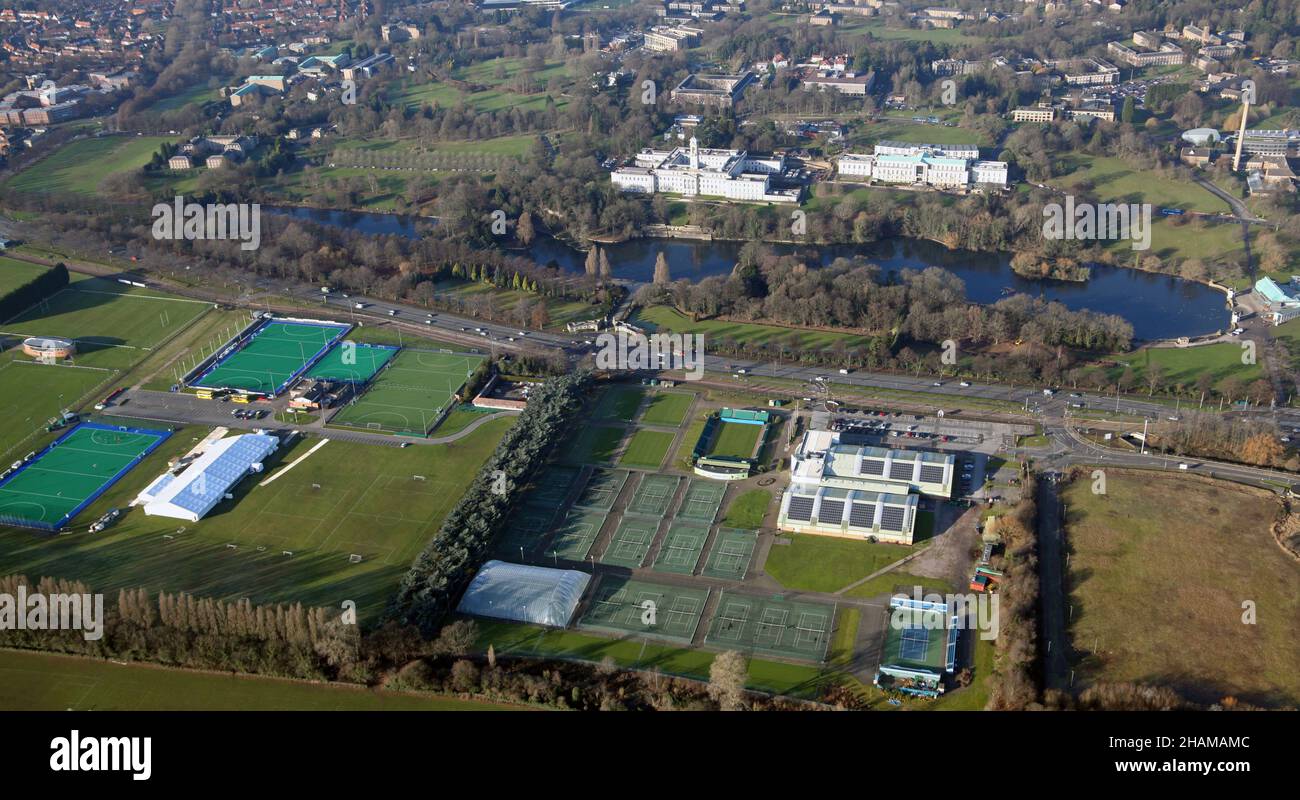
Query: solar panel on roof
[[872, 467], [900, 471], [931, 474], [891, 518], [862, 515], [800, 508], [830, 511]]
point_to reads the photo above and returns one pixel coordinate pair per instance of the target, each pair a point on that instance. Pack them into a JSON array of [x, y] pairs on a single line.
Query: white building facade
[[940, 166], [693, 171]]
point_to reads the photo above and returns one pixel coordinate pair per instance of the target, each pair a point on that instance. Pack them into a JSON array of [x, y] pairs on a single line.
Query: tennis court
[[352, 362], [681, 549], [702, 500], [61, 480], [272, 357], [573, 539], [552, 487], [732, 550], [602, 489], [772, 626], [525, 530], [410, 393], [631, 542], [917, 638], [620, 605], [654, 495]]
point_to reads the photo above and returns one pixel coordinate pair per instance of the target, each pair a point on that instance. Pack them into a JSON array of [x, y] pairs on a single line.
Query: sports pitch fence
[[271, 357]]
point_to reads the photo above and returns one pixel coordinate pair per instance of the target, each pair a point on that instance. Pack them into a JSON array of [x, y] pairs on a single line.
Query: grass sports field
[[1158, 588], [736, 439], [15, 273], [50, 489], [369, 502], [647, 449], [32, 393], [410, 393], [667, 408], [618, 402], [271, 357], [79, 167], [114, 325], [827, 564], [44, 682], [351, 362]]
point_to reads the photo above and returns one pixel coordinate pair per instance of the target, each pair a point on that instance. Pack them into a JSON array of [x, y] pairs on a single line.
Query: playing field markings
[[654, 495], [573, 539], [772, 626], [681, 548], [702, 500], [603, 489], [646, 609], [732, 550], [631, 543]]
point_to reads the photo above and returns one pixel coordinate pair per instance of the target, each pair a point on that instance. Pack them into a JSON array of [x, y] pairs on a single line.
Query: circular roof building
[[49, 347], [1200, 137]]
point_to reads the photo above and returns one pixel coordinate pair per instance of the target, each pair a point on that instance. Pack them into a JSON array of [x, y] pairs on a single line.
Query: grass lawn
[[45, 682], [32, 393], [1171, 241], [884, 584], [1158, 588], [667, 408], [736, 439], [368, 503], [15, 273], [647, 449], [1114, 181], [618, 402], [669, 319], [748, 509], [594, 445], [1185, 365], [827, 564], [80, 166]]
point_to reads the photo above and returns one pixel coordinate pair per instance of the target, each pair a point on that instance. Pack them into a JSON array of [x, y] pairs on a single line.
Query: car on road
[[964, 384], [937, 383]]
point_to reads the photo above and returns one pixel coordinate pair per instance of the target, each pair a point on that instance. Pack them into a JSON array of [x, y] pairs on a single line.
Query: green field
[[112, 324], [83, 462], [667, 408], [409, 395], [79, 167], [44, 682], [369, 503], [747, 510], [663, 318], [276, 352], [827, 564], [594, 445], [351, 362], [647, 449], [15, 273], [618, 403], [1160, 588], [1113, 181], [1185, 365], [735, 439], [33, 393]]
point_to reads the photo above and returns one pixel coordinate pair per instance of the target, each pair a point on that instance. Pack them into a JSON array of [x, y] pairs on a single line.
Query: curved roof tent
[[540, 595]]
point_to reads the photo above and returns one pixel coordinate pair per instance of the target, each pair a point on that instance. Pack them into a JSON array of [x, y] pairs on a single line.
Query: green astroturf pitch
[[50, 489], [916, 638], [351, 362], [409, 394], [791, 629], [271, 357], [620, 605], [681, 549], [732, 550], [631, 542]]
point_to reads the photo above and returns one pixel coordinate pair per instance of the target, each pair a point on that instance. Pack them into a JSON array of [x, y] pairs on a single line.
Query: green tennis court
[[681, 549], [771, 625], [621, 605], [352, 362], [51, 489], [602, 489], [525, 530], [654, 495], [732, 550], [631, 542], [917, 638], [273, 356], [702, 500], [552, 487], [410, 394], [573, 539]]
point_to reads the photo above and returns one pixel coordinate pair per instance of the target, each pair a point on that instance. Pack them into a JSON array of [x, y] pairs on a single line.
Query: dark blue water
[[1158, 306]]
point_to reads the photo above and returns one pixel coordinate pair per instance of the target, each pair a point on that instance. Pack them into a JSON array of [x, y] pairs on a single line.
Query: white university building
[[692, 171], [941, 166]]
